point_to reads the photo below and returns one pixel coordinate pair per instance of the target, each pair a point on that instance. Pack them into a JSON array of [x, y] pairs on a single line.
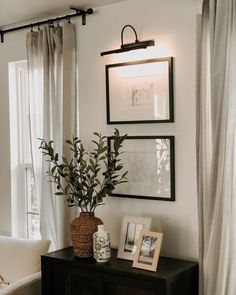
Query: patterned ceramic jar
[[101, 245]]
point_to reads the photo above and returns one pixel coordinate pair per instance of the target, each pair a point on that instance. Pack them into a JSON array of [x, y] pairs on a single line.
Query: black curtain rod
[[78, 12]]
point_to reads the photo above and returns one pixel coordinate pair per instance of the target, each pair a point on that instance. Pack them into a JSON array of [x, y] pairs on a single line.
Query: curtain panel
[[51, 57], [216, 147]]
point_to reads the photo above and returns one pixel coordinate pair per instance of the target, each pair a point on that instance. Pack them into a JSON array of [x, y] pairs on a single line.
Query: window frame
[[21, 162]]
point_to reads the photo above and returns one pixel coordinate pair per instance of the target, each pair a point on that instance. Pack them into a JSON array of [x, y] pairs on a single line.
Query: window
[[25, 205]]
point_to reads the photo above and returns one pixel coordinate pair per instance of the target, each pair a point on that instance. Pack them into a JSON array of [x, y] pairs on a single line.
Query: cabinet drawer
[[84, 282], [117, 285]]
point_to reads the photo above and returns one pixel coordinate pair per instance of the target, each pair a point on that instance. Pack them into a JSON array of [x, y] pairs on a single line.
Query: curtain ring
[[50, 24], [38, 27], [31, 28], [68, 19], [58, 22]]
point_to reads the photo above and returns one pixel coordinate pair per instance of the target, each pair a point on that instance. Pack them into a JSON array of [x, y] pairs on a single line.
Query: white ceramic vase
[[101, 245]]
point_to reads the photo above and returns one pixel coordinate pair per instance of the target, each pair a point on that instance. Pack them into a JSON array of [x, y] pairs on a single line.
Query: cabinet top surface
[[167, 267]]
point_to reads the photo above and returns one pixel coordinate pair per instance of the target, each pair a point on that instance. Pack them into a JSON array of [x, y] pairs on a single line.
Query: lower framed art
[[151, 167]]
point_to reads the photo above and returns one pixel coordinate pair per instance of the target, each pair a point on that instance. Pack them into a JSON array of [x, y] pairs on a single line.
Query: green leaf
[[92, 163], [118, 168], [103, 150], [53, 169], [123, 181], [95, 142], [102, 158], [59, 194], [123, 175], [97, 181], [65, 160]]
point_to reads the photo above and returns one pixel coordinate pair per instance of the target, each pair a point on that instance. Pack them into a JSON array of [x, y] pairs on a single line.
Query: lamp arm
[[122, 34]]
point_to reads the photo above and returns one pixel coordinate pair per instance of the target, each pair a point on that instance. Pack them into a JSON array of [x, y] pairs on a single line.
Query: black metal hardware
[[130, 46], [51, 23], [78, 12], [2, 36], [82, 13], [122, 34], [68, 19]]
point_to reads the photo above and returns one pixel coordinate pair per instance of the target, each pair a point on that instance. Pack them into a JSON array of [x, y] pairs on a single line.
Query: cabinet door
[[117, 285], [54, 280], [84, 282]]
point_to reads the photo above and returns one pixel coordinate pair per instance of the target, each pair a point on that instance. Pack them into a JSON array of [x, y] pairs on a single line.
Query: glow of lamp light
[[157, 51]]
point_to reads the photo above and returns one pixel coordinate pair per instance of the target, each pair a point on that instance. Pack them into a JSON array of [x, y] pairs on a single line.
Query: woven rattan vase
[[82, 230]]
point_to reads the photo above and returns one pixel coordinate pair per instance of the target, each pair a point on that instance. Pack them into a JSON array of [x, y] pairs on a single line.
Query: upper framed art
[[151, 167], [140, 91]]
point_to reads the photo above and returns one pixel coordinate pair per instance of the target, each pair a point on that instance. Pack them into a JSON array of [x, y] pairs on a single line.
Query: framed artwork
[[130, 230], [148, 250], [140, 91], [151, 168]]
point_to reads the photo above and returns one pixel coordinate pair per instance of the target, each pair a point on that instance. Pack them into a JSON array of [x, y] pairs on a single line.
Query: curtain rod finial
[[90, 11]]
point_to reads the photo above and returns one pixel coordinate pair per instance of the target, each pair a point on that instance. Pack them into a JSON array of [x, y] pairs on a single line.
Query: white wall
[[172, 24]]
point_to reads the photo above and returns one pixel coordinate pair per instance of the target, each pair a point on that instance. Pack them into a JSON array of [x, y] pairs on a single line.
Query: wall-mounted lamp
[[130, 46]]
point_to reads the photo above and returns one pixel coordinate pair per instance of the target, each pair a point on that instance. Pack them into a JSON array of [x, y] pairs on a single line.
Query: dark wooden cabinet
[[65, 274]]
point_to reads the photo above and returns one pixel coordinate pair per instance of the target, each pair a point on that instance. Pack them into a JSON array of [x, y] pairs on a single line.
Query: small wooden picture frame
[[131, 228], [148, 250]]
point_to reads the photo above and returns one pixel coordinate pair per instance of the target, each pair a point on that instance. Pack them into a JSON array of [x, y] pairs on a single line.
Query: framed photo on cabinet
[[151, 167], [140, 91], [130, 230], [148, 250]]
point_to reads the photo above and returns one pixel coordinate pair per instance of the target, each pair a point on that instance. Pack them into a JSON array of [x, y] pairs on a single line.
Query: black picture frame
[[147, 149], [151, 101]]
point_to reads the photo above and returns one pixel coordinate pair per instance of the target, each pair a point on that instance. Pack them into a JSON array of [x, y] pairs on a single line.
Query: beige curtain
[[51, 55], [216, 147]]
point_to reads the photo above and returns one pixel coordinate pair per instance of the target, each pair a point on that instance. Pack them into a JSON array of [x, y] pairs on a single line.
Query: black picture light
[[130, 46]]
